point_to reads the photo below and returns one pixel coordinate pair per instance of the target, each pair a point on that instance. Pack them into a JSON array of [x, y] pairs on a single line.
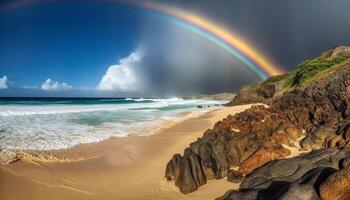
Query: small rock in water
[[7, 157], [199, 106]]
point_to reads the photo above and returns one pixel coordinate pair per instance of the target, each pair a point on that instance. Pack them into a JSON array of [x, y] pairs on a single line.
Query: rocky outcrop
[[311, 102], [305, 73], [294, 178], [333, 53], [248, 139], [261, 92], [186, 171], [337, 186], [262, 156]]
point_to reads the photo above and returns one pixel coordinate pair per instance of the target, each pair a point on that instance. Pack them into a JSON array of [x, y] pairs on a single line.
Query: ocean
[[58, 123]]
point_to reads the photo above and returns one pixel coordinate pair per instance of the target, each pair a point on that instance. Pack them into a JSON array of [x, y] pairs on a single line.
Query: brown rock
[[186, 171], [294, 133], [170, 168], [281, 138], [347, 145], [341, 144], [234, 176], [334, 141], [265, 154], [344, 163], [347, 134], [318, 138], [337, 186], [207, 162]]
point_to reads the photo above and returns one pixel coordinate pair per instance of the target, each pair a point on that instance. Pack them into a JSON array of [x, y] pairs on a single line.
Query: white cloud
[[3, 82], [122, 77], [54, 85], [29, 87]]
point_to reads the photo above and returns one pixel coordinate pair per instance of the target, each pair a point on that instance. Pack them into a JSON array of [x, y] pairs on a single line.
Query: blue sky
[[62, 42], [82, 49]]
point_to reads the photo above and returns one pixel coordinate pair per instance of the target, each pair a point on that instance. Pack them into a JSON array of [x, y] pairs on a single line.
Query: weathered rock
[[170, 168], [346, 132], [335, 141], [294, 133], [237, 195], [332, 53], [7, 157], [293, 168], [289, 179], [188, 172], [320, 110], [223, 147], [234, 176], [207, 162], [337, 186], [344, 163], [300, 192], [265, 154], [281, 138], [220, 156], [317, 139]]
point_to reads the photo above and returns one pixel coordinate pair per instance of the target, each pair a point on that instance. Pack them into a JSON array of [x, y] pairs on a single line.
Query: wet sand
[[119, 168]]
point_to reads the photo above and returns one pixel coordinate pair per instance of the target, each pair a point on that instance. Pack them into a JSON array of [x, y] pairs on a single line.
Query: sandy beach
[[119, 168]]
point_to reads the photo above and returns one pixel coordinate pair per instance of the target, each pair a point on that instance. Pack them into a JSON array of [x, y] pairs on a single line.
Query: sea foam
[[58, 125]]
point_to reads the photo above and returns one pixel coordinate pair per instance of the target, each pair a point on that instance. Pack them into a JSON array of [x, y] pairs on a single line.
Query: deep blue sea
[[56, 123]]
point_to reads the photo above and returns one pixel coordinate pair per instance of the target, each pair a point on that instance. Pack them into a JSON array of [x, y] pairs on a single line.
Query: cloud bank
[[175, 63], [49, 85], [122, 76], [3, 82]]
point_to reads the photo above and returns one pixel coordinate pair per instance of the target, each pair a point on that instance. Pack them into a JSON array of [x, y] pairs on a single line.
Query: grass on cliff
[[311, 69], [307, 72]]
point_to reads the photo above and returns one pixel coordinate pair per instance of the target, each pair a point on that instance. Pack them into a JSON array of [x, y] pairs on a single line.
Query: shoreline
[[85, 151], [130, 167]]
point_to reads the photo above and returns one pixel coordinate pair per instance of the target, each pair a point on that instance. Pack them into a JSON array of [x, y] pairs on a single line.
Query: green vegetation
[[310, 69], [306, 73], [278, 77]]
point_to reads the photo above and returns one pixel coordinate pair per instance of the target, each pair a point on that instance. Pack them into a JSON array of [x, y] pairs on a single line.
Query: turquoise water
[[43, 124]]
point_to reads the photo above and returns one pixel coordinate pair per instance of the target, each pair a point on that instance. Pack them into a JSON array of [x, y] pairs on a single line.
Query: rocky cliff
[[310, 104], [304, 74]]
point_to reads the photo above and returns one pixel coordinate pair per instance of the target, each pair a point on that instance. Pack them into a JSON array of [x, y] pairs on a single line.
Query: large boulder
[[171, 167], [293, 168], [186, 171], [207, 161], [262, 156], [337, 186], [318, 138], [289, 179]]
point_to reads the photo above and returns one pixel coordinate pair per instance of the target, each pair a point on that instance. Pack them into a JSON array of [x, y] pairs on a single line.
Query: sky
[[106, 48]]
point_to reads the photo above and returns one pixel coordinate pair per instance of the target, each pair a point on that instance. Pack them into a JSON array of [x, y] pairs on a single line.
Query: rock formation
[[294, 178], [312, 102], [337, 185], [262, 156], [246, 140]]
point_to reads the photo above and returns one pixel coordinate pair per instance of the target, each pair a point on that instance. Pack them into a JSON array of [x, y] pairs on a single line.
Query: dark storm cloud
[[177, 61], [285, 31]]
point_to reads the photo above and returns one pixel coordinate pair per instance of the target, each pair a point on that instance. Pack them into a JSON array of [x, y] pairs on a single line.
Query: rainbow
[[217, 35]]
